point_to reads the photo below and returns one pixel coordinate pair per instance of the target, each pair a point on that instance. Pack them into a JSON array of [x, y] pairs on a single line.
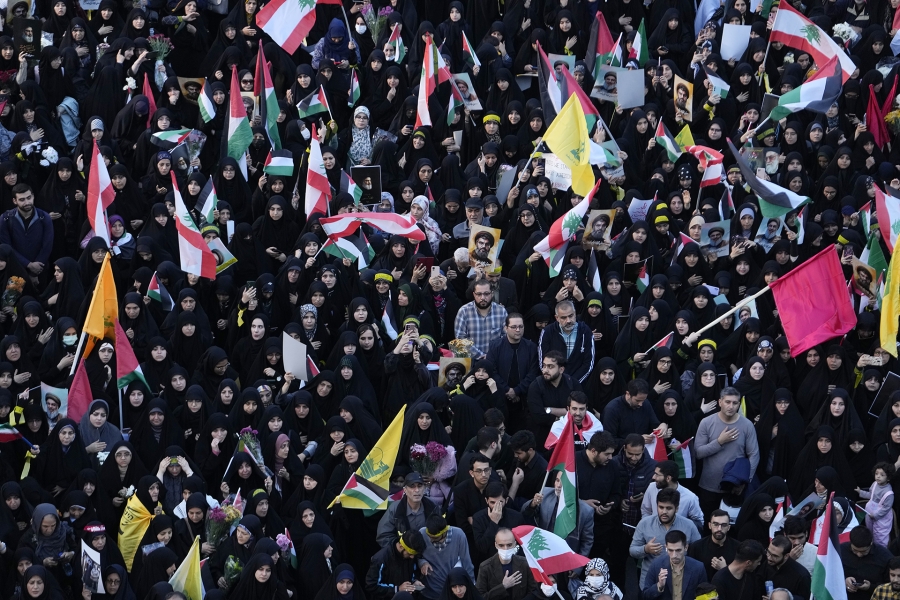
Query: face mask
[[390, 58], [594, 581], [360, 29], [306, 134], [548, 590], [70, 340], [506, 555]]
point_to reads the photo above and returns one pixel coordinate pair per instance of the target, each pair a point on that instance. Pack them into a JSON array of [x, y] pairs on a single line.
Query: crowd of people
[[703, 467]]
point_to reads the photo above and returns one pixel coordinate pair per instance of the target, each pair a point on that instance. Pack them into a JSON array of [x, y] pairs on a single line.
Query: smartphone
[[428, 261], [876, 361], [435, 271], [761, 172], [251, 284], [848, 251]]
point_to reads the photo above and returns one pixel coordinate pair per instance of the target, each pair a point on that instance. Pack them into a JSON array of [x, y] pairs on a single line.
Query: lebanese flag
[[795, 30], [127, 366], [427, 86], [812, 302], [390, 223], [289, 21], [828, 571], [196, 257], [318, 191], [268, 103], [100, 195], [563, 460], [710, 162], [657, 448], [546, 552], [565, 227], [80, 394], [238, 135], [589, 426]]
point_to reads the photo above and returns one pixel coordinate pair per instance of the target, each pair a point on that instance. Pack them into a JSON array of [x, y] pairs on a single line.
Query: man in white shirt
[[797, 530], [666, 476]]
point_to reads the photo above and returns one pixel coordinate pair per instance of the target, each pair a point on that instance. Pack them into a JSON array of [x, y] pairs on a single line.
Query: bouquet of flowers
[[161, 46], [286, 545], [14, 287], [425, 459], [461, 348], [249, 443], [233, 568], [219, 522], [846, 33], [376, 23]]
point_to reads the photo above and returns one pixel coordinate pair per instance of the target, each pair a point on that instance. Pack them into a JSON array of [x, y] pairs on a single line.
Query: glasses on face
[[515, 327], [665, 362], [486, 471], [246, 81]]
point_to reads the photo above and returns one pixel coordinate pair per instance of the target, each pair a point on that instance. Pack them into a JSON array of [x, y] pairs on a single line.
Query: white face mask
[[506, 555], [360, 29], [390, 58], [594, 581], [70, 340], [305, 133], [548, 590]]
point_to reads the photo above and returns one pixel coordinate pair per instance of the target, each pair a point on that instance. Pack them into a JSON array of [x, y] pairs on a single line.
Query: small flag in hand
[[157, 291], [279, 162]]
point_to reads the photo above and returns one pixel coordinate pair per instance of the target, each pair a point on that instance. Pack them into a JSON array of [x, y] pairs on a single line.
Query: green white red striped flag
[[667, 141], [8, 433], [399, 48], [268, 103], [639, 50], [206, 103], [681, 454], [128, 368], [469, 52], [313, 104], [279, 162], [239, 134], [354, 89], [828, 571]]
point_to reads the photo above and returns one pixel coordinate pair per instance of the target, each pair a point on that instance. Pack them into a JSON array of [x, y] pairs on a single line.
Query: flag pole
[[77, 352], [121, 416], [739, 306]]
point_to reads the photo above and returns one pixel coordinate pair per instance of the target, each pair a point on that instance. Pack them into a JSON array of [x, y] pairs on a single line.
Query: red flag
[[812, 302], [100, 195], [80, 394], [148, 91], [875, 120]]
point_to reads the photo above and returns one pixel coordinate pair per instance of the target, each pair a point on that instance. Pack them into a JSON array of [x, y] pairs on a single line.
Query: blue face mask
[[70, 340]]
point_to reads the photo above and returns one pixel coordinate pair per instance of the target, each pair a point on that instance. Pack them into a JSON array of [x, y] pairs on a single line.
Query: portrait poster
[[714, 238], [451, 363], [91, 575], [368, 178], [484, 244], [224, 257], [598, 229], [190, 88], [865, 280], [684, 98], [467, 91]]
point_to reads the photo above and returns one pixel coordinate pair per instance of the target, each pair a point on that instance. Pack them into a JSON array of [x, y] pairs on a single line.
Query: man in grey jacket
[[649, 536], [495, 582], [543, 509]]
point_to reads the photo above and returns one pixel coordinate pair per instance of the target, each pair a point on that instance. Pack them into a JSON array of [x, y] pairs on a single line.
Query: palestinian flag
[[318, 191], [665, 139], [643, 278], [289, 21], [206, 103], [801, 225], [563, 460], [207, 202], [291, 549], [456, 101], [547, 553], [171, 138], [600, 43], [639, 49], [365, 491], [238, 135], [351, 246], [682, 457], [8, 433], [354, 89], [887, 207], [614, 57], [774, 200], [349, 186], [551, 96], [264, 90], [313, 104], [279, 162], [865, 215], [389, 321], [397, 40], [666, 342], [469, 52], [568, 87], [818, 93], [128, 368], [828, 572], [157, 291], [726, 204], [593, 273], [564, 228], [794, 30], [719, 85]]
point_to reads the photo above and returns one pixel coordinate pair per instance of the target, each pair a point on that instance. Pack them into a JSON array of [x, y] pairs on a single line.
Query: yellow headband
[[842, 240], [707, 343], [384, 277], [488, 118], [407, 548], [708, 596], [439, 533]]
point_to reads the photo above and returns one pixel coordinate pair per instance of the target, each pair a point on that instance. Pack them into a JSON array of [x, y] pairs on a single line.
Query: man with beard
[[548, 395], [515, 361], [407, 514], [481, 321], [666, 476], [650, 535], [716, 550], [393, 568], [573, 339], [480, 255], [453, 374], [785, 572], [891, 589]]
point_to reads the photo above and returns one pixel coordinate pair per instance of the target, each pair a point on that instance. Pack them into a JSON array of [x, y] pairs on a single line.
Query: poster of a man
[[714, 238], [369, 179], [481, 247], [596, 236], [27, 35], [864, 278], [684, 92], [190, 88], [467, 90], [452, 369]]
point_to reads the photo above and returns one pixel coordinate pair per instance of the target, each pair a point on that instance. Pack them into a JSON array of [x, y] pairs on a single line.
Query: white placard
[[735, 39], [557, 172], [294, 357]]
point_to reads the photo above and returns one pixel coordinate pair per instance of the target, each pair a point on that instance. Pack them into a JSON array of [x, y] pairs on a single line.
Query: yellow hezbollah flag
[[186, 579], [890, 305], [132, 526], [567, 137], [368, 487], [104, 310], [684, 137]]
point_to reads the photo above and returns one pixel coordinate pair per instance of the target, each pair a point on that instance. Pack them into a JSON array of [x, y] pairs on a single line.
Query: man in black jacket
[[600, 481], [573, 339], [488, 521], [516, 365], [548, 395], [393, 568]]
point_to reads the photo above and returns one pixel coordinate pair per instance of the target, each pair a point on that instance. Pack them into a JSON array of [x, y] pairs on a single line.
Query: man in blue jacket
[[28, 230], [516, 365], [572, 338], [673, 574]]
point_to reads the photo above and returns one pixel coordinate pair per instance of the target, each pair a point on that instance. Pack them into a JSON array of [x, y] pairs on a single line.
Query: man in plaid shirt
[[890, 590], [481, 320]]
